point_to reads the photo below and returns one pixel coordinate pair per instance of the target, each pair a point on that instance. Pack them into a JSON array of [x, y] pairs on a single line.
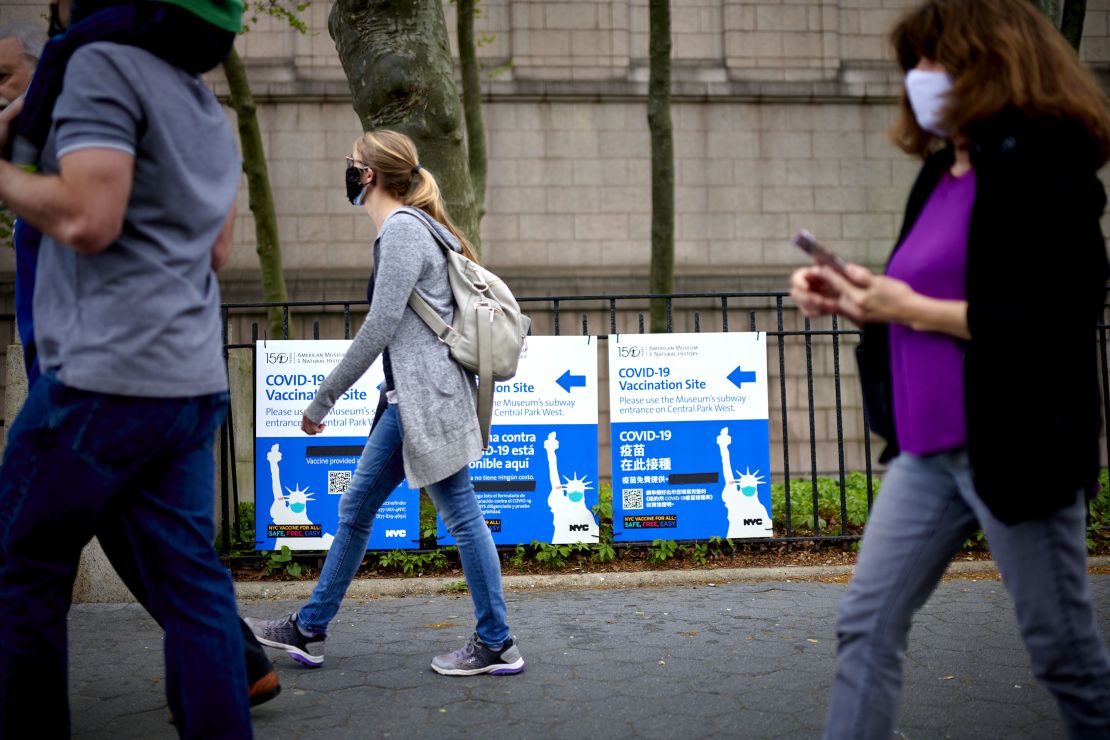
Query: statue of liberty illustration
[[291, 507], [573, 521], [747, 517]]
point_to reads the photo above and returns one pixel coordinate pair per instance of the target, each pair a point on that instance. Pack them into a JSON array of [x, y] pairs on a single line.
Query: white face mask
[[927, 92]]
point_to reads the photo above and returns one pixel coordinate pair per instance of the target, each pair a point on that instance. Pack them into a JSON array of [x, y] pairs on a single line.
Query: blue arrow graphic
[[568, 381], [739, 377]]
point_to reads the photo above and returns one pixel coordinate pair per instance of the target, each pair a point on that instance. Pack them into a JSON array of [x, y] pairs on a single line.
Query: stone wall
[[780, 112]]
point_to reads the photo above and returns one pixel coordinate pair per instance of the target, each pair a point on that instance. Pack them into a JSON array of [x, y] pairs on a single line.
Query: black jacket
[[1036, 281]]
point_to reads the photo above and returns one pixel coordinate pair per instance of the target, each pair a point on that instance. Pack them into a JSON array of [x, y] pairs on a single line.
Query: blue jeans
[[379, 471], [927, 508], [141, 472]]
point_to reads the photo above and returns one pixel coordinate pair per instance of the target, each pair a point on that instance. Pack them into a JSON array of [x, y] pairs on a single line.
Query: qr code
[[338, 480], [633, 498]]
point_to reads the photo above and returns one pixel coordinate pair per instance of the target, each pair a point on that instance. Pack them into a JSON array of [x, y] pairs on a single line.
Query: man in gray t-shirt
[[135, 201], [143, 317]]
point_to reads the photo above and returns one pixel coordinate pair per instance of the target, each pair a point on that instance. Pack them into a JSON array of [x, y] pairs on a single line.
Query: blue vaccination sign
[[298, 479], [538, 479], [689, 433]]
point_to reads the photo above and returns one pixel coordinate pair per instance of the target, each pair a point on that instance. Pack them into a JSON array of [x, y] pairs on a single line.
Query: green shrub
[[281, 561], [604, 512], [1098, 524], [550, 556], [242, 532], [520, 554], [828, 504], [604, 553], [428, 529], [662, 550], [413, 563], [556, 556], [718, 545], [457, 587]]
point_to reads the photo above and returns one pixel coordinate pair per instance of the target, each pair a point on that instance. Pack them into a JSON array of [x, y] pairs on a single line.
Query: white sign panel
[[691, 454], [538, 481], [299, 479]]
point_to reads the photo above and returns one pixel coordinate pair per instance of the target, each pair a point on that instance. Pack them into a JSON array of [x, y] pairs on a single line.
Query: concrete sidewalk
[[727, 658]]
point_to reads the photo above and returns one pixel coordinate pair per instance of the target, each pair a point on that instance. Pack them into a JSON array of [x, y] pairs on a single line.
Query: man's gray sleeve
[[100, 109]]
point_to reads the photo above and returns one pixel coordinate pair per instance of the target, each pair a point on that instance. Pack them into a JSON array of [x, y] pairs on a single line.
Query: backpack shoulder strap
[[434, 321]]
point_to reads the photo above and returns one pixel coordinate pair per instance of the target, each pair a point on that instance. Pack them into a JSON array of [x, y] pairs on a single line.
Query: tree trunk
[[398, 63], [1051, 8], [662, 160], [472, 103], [258, 189], [1071, 24], [1066, 15]]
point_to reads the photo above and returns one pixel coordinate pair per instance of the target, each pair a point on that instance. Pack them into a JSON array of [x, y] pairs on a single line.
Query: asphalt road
[[739, 659]]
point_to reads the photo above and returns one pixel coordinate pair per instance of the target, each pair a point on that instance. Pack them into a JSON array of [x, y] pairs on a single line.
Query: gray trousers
[[926, 510]]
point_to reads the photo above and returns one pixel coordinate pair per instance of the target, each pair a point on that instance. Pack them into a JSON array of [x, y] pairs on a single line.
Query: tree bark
[[1051, 8], [258, 188], [662, 159], [1071, 24], [472, 103], [1066, 15], [398, 63]]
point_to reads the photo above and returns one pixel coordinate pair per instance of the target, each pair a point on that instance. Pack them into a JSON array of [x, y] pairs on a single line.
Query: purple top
[[928, 367]]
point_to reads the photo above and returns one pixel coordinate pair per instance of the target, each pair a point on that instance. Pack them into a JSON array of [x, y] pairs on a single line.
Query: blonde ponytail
[[425, 195], [392, 157]]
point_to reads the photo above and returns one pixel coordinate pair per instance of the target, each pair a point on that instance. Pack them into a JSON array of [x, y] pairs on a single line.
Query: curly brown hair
[[1000, 54]]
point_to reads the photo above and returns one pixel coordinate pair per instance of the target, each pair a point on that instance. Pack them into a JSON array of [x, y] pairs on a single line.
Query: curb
[[373, 588]]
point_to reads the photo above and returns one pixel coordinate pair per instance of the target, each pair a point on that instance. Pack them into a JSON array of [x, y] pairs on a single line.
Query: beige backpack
[[490, 329]]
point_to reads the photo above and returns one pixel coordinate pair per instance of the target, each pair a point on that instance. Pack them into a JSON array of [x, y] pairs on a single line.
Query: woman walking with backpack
[[428, 432]]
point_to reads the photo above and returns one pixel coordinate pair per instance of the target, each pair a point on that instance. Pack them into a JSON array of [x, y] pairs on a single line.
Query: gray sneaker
[[475, 658], [284, 634]]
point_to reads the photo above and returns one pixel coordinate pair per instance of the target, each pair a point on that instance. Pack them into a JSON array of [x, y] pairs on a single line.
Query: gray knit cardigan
[[435, 395]]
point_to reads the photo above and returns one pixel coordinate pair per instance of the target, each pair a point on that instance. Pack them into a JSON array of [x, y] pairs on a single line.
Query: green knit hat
[[225, 14]]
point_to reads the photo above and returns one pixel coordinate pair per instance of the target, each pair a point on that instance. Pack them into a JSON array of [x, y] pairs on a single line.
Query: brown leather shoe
[[264, 689], [260, 692]]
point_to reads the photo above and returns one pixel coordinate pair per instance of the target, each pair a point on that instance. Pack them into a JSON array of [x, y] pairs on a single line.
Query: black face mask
[[355, 189]]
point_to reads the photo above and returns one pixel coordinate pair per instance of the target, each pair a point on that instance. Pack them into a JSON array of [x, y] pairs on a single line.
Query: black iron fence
[[819, 435]]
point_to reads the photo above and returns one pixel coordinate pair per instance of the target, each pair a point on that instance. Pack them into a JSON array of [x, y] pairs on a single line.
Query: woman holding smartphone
[[978, 362], [428, 432]]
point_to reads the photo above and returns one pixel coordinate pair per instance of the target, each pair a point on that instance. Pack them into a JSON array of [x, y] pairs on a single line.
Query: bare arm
[[83, 206], [221, 250]]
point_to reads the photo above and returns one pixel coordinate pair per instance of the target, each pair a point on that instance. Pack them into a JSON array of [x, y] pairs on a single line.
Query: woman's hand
[[813, 292], [308, 426], [865, 297]]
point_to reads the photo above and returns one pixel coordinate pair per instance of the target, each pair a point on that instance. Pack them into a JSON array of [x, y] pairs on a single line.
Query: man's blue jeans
[[143, 469], [379, 471], [926, 510]]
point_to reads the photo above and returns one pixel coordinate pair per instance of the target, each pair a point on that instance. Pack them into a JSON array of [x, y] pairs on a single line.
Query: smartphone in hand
[[821, 254]]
